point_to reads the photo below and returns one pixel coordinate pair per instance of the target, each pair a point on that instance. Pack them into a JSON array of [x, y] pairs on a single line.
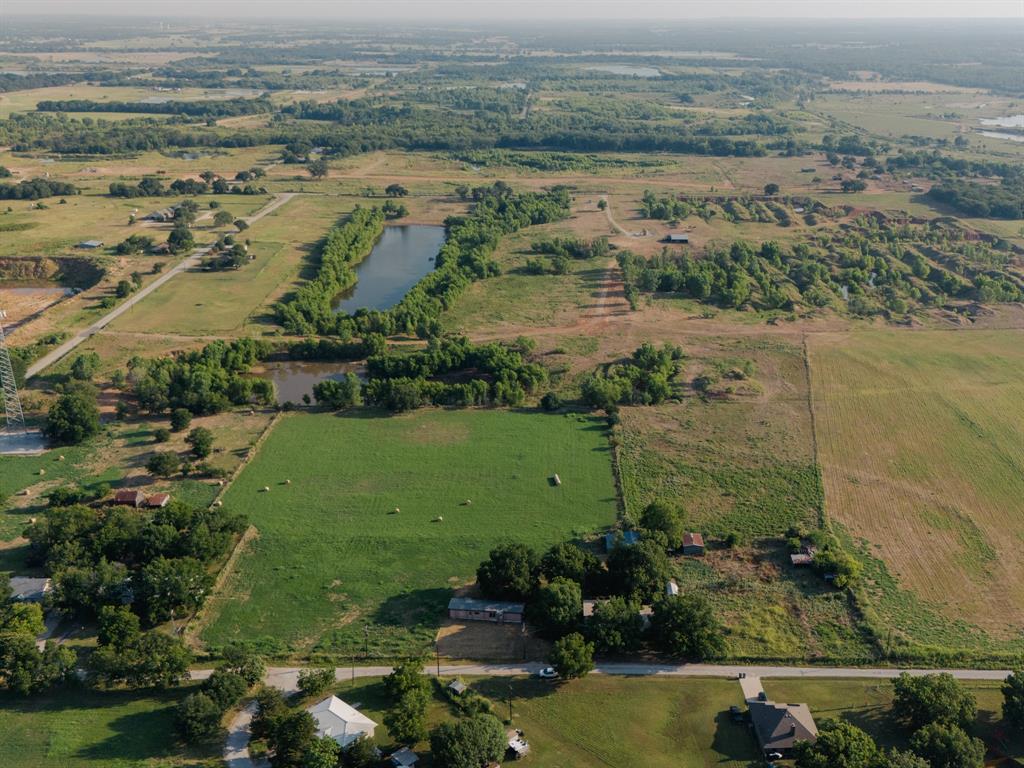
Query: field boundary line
[[203, 614]]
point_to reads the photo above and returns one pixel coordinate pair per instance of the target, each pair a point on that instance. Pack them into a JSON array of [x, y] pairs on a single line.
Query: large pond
[[293, 378], [402, 256]]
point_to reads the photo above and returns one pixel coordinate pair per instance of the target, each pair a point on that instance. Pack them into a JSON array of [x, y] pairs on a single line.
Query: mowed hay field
[[921, 443], [333, 554]]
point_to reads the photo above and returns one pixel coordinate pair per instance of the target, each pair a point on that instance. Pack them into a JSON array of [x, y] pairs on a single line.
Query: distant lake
[[402, 256], [1010, 121], [623, 69]]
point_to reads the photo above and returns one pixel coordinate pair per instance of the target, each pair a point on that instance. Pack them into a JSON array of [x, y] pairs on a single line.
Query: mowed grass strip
[[94, 729], [921, 441], [333, 553]]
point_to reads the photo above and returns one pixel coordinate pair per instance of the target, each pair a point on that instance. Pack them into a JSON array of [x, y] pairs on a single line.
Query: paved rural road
[[188, 262], [286, 678]]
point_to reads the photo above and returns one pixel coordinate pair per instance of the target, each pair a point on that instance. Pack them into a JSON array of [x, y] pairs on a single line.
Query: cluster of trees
[[309, 311], [127, 656], [199, 714], [996, 201], [202, 382], [645, 379], [486, 373], [153, 561], [211, 183], [25, 669], [36, 189], [937, 712], [871, 268], [134, 244], [74, 416], [555, 583], [206, 109], [562, 250]]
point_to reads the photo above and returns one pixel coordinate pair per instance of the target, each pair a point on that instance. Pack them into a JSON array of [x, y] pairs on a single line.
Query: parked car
[[548, 673]]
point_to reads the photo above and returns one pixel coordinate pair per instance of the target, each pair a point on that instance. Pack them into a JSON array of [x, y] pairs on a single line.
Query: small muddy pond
[[295, 378], [402, 256]]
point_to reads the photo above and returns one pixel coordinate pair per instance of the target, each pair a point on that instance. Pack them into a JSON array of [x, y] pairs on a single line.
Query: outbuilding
[[693, 544], [403, 758], [498, 612], [90, 244], [620, 539], [158, 500], [129, 498], [680, 238]]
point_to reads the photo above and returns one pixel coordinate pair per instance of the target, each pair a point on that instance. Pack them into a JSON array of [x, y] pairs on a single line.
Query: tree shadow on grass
[[734, 741], [137, 736], [416, 608]]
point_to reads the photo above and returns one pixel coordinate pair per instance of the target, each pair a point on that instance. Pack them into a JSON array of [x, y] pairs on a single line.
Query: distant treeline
[[219, 108], [996, 201]]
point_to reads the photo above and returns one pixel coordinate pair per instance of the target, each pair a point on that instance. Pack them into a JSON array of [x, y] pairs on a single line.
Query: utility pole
[[437, 656], [510, 704], [366, 641]]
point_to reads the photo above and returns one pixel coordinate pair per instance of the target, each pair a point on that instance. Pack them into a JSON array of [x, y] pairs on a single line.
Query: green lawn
[[73, 728], [333, 555], [599, 720]]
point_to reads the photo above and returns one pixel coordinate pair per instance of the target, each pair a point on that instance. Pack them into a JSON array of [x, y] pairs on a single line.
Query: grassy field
[[922, 453], [867, 704], [88, 729], [594, 721], [333, 555]]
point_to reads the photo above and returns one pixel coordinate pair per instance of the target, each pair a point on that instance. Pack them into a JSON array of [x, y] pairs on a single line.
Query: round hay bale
[[266, 489], [42, 471], [218, 503], [60, 458], [397, 510], [287, 482]]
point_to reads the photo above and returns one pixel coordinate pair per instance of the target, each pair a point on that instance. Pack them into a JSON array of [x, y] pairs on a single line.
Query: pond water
[[1010, 121], [295, 378], [402, 256], [624, 69]]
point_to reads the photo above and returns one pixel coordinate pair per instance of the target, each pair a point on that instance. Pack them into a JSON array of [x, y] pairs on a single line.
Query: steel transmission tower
[[12, 403]]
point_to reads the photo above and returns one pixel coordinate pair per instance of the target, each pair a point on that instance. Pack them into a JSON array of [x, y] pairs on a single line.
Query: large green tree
[[557, 608], [686, 627], [1013, 701], [73, 418], [639, 571], [939, 698], [616, 626], [839, 745], [470, 743], [572, 656], [948, 746], [568, 561], [509, 572]]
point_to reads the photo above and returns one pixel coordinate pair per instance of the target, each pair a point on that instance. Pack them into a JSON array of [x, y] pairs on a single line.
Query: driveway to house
[[190, 261], [236, 748]]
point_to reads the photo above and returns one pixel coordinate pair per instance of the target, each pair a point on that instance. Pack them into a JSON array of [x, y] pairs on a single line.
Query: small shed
[[471, 609], [801, 559], [457, 687], [693, 544], [129, 498], [620, 539], [90, 244], [403, 758], [672, 588], [26, 589], [680, 238], [158, 500]]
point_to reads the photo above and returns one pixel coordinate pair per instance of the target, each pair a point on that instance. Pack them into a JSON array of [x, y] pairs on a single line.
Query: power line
[[12, 403]]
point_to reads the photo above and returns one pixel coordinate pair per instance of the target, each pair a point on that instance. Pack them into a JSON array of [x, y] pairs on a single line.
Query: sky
[[523, 10]]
